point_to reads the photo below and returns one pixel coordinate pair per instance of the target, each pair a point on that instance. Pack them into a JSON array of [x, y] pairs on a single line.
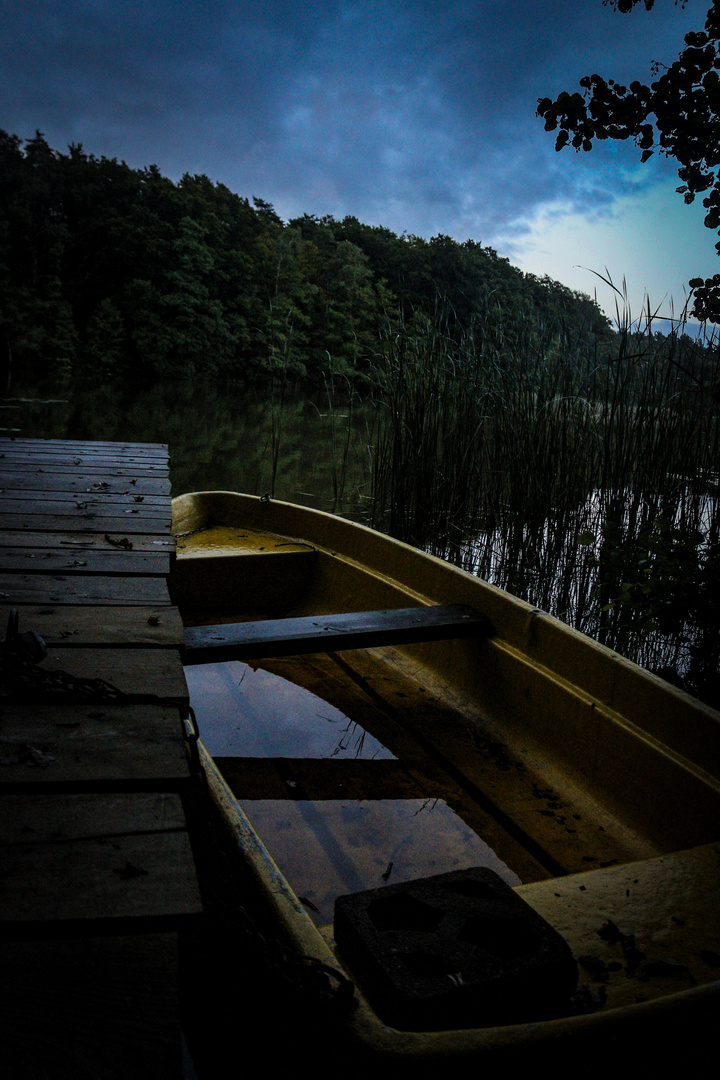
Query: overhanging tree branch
[[677, 115]]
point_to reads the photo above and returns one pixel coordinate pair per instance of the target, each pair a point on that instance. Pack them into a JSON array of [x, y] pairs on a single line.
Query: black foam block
[[455, 950]]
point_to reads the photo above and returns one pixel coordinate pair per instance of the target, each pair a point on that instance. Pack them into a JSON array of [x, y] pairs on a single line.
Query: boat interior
[[589, 786]]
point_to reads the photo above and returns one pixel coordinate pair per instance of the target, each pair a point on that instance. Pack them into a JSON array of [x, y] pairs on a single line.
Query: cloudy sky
[[412, 114]]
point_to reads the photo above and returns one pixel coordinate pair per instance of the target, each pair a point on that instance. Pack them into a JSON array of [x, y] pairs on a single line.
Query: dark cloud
[[402, 112]]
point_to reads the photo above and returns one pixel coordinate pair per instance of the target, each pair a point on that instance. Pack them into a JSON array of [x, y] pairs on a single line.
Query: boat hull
[[625, 826]]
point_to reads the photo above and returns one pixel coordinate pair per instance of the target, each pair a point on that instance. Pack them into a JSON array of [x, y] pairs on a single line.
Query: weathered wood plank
[[90, 445], [98, 446], [76, 589], [133, 671], [70, 817], [89, 506], [30, 447], [82, 483], [92, 748], [84, 554], [12, 460], [81, 521], [81, 500], [33, 459], [69, 627], [97, 472], [104, 1007], [92, 472], [16, 561], [60, 542], [94, 863]]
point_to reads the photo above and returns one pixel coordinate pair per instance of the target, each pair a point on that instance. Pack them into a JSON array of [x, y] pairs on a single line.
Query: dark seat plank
[[321, 778], [323, 633]]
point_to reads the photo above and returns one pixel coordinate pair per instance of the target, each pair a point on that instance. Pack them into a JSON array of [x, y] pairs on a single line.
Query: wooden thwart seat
[[323, 633]]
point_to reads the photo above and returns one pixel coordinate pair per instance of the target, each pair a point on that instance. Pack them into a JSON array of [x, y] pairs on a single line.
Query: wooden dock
[[97, 880]]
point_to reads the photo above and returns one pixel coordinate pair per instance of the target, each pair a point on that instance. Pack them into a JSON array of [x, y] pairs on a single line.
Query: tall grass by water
[[583, 480], [580, 475]]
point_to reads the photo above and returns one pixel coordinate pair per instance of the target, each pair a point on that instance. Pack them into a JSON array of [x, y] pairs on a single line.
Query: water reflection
[[329, 848], [222, 436], [247, 712]]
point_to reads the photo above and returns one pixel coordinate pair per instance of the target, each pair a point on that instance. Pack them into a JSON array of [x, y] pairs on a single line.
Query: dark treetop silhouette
[[678, 115]]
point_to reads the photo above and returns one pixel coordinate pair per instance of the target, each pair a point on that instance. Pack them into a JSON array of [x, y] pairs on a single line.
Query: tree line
[[110, 270]]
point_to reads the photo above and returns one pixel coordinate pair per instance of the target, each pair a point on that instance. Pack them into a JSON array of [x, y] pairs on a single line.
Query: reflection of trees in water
[[221, 436], [587, 488], [645, 584], [352, 736]]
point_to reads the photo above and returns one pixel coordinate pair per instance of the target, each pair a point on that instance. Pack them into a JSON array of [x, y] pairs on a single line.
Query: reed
[[583, 480]]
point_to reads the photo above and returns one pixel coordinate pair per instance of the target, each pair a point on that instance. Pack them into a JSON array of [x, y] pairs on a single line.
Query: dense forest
[[112, 270], [494, 418]]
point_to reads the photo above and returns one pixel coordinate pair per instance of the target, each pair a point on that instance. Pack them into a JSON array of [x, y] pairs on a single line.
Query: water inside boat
[[330, 828], [249, 712]]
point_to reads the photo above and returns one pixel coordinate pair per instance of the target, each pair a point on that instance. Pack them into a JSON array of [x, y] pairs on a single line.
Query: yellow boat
[[506, 739]]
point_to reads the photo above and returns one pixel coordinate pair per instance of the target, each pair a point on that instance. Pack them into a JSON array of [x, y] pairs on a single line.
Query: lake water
[[304, 449], [317, 452]]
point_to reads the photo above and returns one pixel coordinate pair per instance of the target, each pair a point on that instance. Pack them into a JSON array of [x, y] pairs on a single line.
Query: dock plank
[[75, 480], [103, 1008], [94, 848], [97, 471], [82, 520], [100, 505], [76, 589], [27, 459], [92, 748], [16, 561], [71, 627], [133, 671], [91, 446], [83, 862], [90, 500], [85, 540]]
